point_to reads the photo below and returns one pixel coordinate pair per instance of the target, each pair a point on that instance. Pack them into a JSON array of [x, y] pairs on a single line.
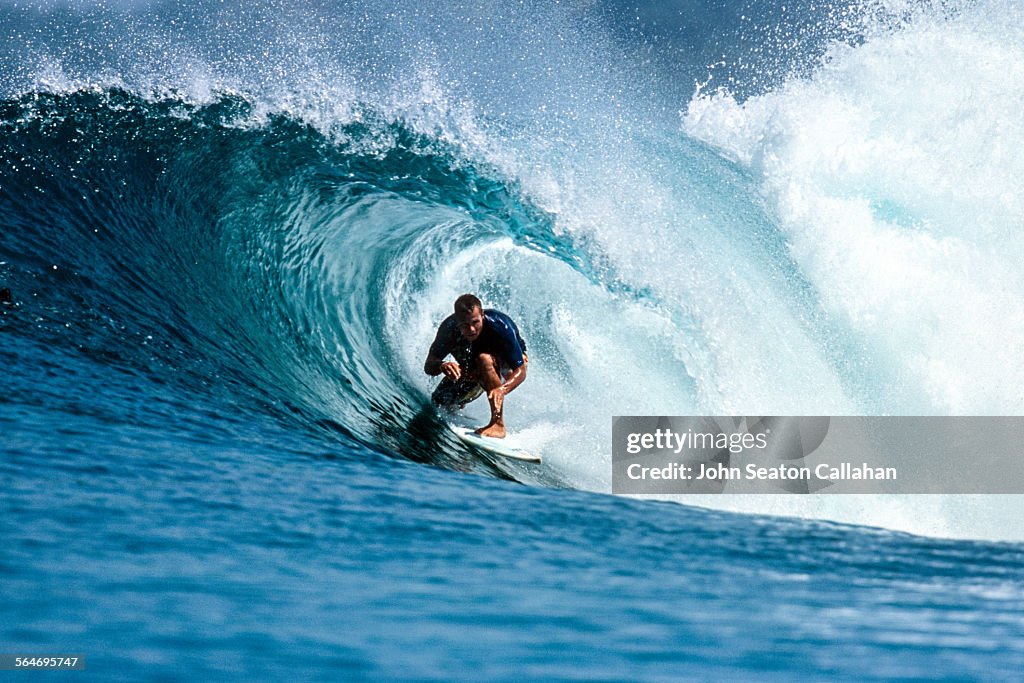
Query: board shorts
[[449, 394]]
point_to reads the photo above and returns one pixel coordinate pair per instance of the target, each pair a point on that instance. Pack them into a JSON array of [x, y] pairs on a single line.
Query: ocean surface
[[228, 231]]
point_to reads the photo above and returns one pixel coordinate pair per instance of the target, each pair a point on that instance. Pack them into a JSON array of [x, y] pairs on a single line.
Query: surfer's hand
[[451, 370]]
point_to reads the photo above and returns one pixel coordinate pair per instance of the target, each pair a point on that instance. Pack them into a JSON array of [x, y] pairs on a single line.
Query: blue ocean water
[[229, 231]]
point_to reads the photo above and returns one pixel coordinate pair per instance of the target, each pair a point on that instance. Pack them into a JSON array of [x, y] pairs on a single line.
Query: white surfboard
[[502, 447]]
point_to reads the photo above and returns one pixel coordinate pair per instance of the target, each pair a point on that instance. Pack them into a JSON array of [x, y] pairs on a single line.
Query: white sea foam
[[892, 173]]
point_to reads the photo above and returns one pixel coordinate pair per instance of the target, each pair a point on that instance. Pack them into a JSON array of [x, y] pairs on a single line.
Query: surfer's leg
[[488, 374]]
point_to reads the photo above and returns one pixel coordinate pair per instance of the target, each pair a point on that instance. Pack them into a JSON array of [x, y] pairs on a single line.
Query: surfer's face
[[471, 324]]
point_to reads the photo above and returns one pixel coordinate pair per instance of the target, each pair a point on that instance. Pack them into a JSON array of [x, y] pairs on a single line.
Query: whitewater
[[230, 231]]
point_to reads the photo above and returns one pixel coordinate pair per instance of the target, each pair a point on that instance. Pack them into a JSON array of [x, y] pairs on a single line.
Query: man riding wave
[[490, 356]]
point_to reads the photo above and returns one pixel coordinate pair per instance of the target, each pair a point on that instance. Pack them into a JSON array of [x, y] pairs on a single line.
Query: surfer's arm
[[439, 349], [432, 366], [514, 353], [515, 378], [435, 366]]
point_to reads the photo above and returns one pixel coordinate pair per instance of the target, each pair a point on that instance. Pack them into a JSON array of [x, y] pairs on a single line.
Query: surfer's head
[[469, 314]]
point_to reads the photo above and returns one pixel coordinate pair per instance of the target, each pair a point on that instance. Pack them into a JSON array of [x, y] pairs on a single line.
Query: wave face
[[230, 230]]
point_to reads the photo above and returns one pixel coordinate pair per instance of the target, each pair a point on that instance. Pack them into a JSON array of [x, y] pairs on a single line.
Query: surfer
[[489, 353]]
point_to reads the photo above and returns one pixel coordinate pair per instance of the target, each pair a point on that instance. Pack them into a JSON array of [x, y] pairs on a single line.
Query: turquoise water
[[229, 232]]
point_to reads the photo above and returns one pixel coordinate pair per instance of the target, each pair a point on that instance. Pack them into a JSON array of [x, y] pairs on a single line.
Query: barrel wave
[[299, 271], [278, 224], [219, 256], [229, 230]]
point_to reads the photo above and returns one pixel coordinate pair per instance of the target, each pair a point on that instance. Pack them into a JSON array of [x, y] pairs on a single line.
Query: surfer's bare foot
[[495, 431]]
